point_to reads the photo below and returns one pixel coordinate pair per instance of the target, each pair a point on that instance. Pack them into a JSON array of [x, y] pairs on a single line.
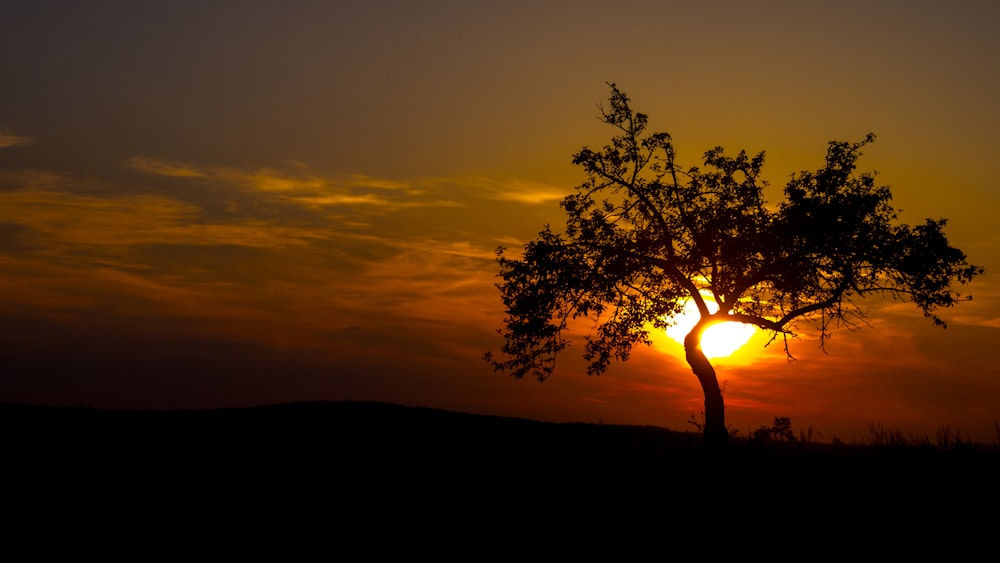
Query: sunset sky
[[230, 203]]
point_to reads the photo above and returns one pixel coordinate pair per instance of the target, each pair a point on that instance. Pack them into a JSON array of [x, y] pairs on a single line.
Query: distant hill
[[388, 449], [377, 428], [355, 427]]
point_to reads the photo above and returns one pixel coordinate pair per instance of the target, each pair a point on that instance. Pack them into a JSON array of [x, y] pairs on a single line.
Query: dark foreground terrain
[[381, 461]]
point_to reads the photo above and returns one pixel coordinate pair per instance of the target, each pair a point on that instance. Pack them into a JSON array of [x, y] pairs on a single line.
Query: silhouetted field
[[370, 456]]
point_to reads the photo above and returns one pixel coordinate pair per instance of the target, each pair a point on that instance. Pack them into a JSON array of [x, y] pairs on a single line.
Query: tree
[[644, 236]]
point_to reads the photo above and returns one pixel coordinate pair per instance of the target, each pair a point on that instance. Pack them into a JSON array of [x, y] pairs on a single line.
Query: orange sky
[[233, 203]]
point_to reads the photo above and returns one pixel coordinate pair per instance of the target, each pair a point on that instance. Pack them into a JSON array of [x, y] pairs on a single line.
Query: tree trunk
[[716, 434]]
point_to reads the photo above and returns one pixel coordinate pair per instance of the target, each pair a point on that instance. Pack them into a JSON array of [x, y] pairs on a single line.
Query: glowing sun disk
[[718, 340]]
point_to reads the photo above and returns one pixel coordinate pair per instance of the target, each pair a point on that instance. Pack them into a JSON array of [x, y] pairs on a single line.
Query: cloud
[[262, 179], [62, 221], [87, 248], [362, 180], [340, 199], [993, 323], [8, 139], [315, 192], [530, 193], [426, 284], [165, 168], [370, 200], [303, 189], [266, 180], [974, 320]]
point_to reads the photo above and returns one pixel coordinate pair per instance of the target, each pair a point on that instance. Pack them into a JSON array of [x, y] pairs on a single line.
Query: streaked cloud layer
[[8, 139], [303, 202]]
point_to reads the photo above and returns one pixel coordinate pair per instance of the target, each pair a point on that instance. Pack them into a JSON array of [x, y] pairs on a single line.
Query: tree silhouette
[[644, 236]]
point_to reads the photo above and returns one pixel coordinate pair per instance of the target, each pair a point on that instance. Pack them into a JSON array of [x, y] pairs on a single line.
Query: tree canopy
[[645, 235]]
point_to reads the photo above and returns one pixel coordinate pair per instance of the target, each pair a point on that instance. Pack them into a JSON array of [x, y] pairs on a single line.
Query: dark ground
[[381, 464]]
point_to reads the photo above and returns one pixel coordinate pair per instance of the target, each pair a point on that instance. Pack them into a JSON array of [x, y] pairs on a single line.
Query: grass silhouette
[[375, 429], [362, 458], [366, 475]]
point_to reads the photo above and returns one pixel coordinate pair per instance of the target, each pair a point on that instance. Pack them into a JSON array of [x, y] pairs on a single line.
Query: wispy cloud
[[316, 192], [340, 199], [161, 167], [8, 139], [81, 222], [530, 193], [60, 220], [369, 200], [301, 188], [271, 181], [365, 181], [382, 254]]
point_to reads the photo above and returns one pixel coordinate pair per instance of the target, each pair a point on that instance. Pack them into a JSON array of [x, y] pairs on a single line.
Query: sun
[[719, 340]]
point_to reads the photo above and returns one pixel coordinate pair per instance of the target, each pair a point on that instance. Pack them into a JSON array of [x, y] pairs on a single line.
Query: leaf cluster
[[644, 235]]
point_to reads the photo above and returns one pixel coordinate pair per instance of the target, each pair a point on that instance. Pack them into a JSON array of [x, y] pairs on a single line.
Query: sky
[[232, 203]]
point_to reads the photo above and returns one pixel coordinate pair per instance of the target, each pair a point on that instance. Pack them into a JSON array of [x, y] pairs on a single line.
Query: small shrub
[[779, 431]]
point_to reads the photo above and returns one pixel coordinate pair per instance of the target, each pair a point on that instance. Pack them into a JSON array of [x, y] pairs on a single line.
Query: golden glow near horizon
[[719, 340]]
